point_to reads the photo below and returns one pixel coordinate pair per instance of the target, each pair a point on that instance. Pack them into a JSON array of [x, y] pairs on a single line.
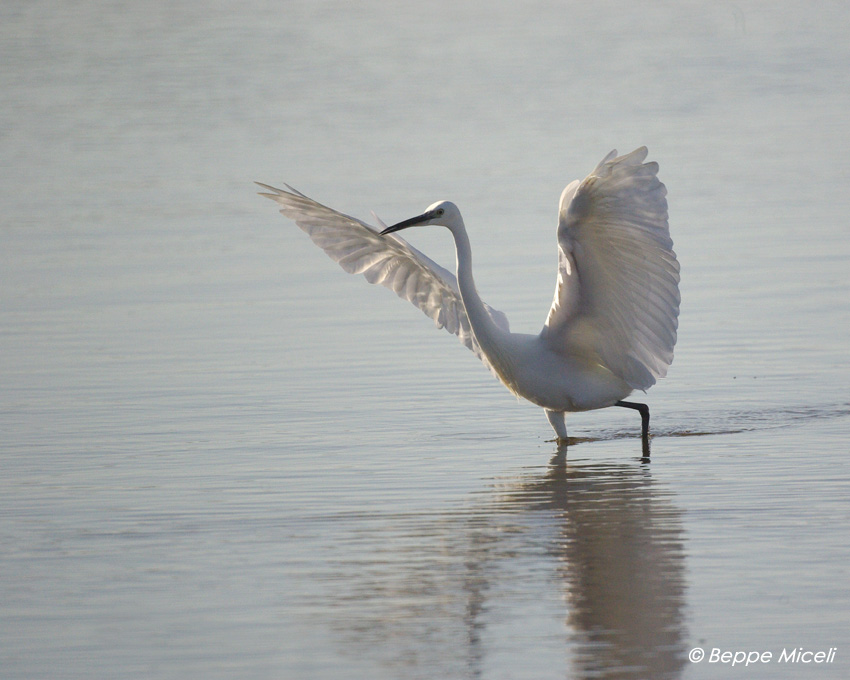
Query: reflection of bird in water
[[622, 564], [476, 584], [612, 326]]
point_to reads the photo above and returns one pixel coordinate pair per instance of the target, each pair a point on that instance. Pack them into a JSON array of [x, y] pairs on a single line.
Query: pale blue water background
[[222, 457]]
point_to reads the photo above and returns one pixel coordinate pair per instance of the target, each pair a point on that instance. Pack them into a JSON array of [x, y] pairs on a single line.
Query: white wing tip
[[270, 191], [273, 192], [636, 157]]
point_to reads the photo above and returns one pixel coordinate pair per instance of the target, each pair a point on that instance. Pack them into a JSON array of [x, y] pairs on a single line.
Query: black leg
[[644, 421]]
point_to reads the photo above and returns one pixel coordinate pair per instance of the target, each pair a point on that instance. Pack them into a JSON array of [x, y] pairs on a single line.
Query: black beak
[[412, 222]]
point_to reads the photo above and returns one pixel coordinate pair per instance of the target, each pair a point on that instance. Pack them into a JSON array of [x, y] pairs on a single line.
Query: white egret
[[612, 326]]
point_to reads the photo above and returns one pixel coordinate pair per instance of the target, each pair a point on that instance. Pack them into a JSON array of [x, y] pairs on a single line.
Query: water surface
[[224, 457]]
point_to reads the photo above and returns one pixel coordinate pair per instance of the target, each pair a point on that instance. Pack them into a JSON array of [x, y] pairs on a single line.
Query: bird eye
[[440, 212]]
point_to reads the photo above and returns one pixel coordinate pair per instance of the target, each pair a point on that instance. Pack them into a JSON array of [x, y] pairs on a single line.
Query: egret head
[[442, 213]]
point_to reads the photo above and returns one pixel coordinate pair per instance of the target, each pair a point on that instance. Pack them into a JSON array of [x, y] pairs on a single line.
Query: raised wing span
[[386, 260], [617, 297]]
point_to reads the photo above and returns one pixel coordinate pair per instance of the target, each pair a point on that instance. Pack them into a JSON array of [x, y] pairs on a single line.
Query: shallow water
[[224, 457]]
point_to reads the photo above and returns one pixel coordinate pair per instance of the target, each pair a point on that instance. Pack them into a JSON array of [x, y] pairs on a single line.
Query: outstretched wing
[[386, 260], [617, 297]]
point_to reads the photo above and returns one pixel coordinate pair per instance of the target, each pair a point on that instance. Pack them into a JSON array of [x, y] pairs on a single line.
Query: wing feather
[[617, 298], [385, 260]]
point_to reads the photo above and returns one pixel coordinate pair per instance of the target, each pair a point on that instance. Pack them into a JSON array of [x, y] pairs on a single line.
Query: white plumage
[[612, 325], [386, 260], [618, 277]]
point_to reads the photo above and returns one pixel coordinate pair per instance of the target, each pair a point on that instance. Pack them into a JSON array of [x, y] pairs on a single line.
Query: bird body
[[612, 325], [530, 369]]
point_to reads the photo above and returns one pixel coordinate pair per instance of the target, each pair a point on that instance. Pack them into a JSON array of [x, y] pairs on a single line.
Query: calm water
[[223, 457]]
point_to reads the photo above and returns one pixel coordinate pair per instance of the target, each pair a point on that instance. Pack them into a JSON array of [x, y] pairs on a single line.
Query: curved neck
[[479, 318]]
